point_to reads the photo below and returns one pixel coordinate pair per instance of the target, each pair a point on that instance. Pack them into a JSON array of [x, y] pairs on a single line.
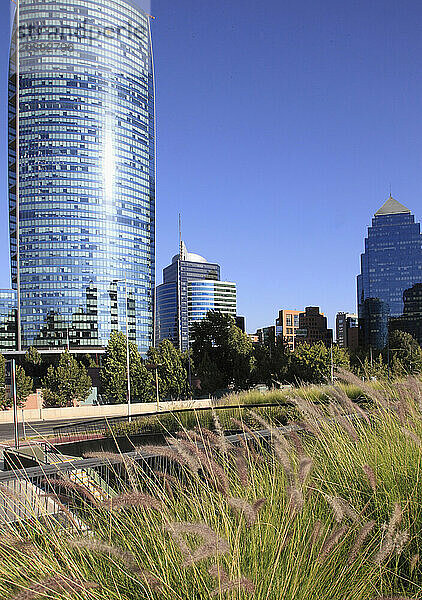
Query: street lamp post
[[127, 349], [17, 177], [154, 367]]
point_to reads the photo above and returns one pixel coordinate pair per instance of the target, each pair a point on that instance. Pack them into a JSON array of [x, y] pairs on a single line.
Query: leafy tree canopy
[[114, 373], [66, 383], [312, 363], [172, 374], [222, 353]]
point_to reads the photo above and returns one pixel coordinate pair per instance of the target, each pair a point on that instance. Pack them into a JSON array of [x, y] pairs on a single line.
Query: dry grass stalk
[[212, 545], [305, 468], [168, 480], [222, 443], [313, 416], [393, 540], [368, 389], [332, 541], [413, 562], [370, 475], [54, 584], [170, 454], [127, 558], [341, 508], [348, 404], [344, 422], [227, 585], [242, 467], [316, 531], [65, 482], [245, 509], [184, 449], [411, 435], [360, 540], [133, 499]]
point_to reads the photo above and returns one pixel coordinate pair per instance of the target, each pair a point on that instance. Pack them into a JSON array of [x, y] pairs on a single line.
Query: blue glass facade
[[391, 263], [191, 286], [87, 172], [8, 301]]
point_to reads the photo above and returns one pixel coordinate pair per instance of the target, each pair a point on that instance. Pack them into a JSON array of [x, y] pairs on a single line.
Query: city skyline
[[348, 174]]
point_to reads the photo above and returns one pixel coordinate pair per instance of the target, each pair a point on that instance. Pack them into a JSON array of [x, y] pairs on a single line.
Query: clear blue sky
[[281, 126]]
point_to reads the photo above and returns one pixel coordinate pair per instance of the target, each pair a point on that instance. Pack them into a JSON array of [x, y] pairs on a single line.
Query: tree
[[34, 365], [113, 373], [222, 353], [66, 383], [172, 375], [272, 362], [312, 363], [24, 385], [405, 354], [373, 368]]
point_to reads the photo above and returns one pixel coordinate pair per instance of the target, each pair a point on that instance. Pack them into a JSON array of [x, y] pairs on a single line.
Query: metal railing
[[105, 427]]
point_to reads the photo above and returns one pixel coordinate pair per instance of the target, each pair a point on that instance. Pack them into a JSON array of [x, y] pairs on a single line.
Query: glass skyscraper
[[85, 219], [191, 287], [7, 320], [391, 263]]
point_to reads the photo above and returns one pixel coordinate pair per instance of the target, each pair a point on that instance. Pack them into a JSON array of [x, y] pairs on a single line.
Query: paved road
[[41, 428]]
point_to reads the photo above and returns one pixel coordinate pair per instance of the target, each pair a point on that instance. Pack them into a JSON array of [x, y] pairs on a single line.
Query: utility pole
[[332, 365]]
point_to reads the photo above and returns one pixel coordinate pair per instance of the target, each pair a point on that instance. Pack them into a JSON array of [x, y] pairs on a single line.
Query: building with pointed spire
[[191, 287], [390, 264]]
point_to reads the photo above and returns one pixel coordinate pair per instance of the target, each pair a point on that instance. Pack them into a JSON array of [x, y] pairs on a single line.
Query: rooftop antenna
[[180, 237], [179, 283], [390, 191]]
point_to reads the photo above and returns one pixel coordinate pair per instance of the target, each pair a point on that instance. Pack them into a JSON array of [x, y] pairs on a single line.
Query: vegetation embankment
[[334, 514], [221, 358]]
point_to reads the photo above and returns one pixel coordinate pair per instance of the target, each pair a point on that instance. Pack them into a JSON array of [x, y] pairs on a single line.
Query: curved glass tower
[[85, 220]]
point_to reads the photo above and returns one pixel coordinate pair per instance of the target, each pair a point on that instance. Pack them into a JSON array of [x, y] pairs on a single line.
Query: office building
[[266, 335], [191, 287], [411, 319], [390, 264], [287, 324], [313, 327], [8, 323], [347, 330], [85, 197], [241, 323]]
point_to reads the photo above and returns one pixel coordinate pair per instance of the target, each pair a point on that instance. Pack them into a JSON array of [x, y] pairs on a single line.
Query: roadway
[[37, 429]]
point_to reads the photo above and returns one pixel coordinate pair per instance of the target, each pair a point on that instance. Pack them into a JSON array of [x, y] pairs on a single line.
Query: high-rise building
[[391, 264], [287, 324], [191, 287], [82, 211], [241, 323], [347, 330], [313, 327], [7, 320], [411, 319], [265, 335]]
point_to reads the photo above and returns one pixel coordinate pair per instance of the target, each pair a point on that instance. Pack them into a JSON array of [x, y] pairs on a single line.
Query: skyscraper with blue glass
[[82, 213], [191, 287], [391, 264]]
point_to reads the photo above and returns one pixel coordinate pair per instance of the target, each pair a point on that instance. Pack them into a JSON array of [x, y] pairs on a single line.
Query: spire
[[392, 207]]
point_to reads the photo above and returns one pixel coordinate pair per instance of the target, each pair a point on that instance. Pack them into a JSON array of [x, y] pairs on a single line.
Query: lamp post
[[154, 367], [127, 349], [17, 176]]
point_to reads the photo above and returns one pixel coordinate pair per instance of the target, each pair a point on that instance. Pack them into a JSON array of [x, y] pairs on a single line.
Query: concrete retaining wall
[[94, 412]]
